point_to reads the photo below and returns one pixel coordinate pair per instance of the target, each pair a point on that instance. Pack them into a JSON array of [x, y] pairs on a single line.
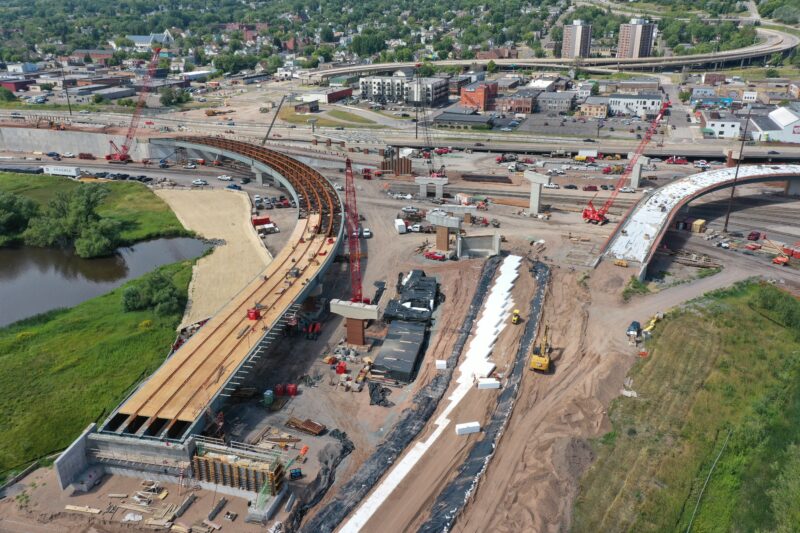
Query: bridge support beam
[[792, 188]]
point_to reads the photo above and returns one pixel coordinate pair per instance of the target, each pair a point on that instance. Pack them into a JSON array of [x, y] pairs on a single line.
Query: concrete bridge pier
[[792, 188]]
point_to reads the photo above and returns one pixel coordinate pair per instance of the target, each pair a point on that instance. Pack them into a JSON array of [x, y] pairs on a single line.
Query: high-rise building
[[577, 40], [636, 39]]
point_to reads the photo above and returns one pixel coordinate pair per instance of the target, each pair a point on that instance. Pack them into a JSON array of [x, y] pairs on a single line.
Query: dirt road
[[533, 479], [222, 215]]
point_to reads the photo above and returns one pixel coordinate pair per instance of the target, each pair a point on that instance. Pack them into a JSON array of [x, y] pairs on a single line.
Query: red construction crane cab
[[598, 216], [120, 154]]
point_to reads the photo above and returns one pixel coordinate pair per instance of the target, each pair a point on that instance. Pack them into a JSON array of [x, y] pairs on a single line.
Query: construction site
[[430, 344]]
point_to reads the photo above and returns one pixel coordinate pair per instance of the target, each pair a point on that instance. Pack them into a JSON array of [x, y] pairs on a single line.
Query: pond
[[35, 280]]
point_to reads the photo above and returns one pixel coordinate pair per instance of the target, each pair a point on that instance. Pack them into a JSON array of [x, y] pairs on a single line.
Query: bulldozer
[[540, 358], [515, 318]]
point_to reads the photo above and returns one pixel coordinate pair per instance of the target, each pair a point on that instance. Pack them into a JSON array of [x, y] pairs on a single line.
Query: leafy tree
[[6, 95], [46, 86], [15, 212], [326, 35], [98, 99], [491, 67], [154, 291], [684, 96], [772, 73], [426, 70], [71, 220], [595, 89]]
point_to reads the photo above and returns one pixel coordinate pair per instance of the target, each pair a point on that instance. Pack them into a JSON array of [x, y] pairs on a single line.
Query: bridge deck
[[637, 236], [183, 387]]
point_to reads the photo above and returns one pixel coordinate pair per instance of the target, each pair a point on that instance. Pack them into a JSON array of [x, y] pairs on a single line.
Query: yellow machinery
[[621, 263], [515, 318], [540, 358]]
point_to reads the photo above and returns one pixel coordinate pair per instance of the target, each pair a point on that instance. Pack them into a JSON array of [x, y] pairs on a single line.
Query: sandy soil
[[533, 479], [409, 505], [40, 509], [222, 215]]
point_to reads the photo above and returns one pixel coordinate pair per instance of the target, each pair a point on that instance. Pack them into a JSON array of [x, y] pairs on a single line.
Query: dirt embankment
[[223, 216], [532, 481]]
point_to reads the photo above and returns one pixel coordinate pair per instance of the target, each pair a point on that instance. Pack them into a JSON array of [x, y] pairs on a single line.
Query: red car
[[436, 256], [677, 161], [591, 188]]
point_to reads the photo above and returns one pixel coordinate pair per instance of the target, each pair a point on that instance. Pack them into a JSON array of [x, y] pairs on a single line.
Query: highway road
[[773, 41], [254, 131]]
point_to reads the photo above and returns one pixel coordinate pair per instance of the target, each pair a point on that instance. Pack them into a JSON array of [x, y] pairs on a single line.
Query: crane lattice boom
[[353, 233], [121, 153], [598, 216]]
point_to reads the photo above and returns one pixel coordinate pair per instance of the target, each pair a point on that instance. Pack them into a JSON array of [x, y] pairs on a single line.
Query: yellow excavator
[[515, 318], [540, 358]]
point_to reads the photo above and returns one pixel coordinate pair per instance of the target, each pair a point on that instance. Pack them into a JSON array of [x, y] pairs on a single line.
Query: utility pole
[[66, 92], [736, 172]]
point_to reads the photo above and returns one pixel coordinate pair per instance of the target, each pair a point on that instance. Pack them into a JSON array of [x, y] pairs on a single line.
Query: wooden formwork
[[250, 476]]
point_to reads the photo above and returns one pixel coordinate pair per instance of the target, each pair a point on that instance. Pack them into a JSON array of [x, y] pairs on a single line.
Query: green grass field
[[721, 365], [349, 117], [143, 214], [67, 368]]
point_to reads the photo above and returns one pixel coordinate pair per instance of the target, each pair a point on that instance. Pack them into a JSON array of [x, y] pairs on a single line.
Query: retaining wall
[[45, 140]]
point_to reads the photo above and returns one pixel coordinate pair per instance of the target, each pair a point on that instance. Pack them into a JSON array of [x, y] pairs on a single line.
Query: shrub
[[154, 291]]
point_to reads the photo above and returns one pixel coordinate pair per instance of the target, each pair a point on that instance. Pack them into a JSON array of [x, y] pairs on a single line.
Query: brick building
[[479, 95]]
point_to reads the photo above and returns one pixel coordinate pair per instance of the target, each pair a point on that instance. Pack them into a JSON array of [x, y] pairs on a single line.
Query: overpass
[[154, 429], [636, 238], [773, 42]]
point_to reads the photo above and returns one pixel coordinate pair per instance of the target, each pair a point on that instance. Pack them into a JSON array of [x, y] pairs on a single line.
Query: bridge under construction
[[156, 429]]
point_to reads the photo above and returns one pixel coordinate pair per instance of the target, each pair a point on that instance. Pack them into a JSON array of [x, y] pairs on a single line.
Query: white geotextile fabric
[[496, 310]]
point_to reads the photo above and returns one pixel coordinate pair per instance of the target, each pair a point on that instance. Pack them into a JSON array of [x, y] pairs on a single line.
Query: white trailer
[[399, 225], [57, 170]]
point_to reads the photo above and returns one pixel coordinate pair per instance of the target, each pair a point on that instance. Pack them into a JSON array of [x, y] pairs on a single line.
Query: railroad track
[[182, 389]]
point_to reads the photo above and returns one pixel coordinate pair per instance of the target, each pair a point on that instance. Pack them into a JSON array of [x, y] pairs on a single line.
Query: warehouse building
[[780, 125]]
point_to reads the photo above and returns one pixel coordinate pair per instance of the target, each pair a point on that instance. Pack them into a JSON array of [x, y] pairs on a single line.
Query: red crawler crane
[[353, 233], [120, 154], [598, 216]]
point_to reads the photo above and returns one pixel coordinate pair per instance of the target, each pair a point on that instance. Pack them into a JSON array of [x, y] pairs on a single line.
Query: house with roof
[[143, 43], [780, 125]]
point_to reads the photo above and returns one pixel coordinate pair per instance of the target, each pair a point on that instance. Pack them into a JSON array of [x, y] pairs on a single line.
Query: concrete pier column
[[636, 175], [792, 187], [439, 191], [537, 180], [423, 190]]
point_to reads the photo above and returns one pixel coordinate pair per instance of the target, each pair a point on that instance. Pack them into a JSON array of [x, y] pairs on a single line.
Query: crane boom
[[353, 233], [121, 154], [278, 110], [598, 216]]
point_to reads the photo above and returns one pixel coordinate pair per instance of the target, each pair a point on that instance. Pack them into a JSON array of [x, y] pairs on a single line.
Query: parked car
[[224, 177], [233, 187], [366, 233], [627, 189], [68, 154], [551, 186], [269, 205], [190, 166], [773, 152], [199, 182], [571, 186], [590, 188], [589, 140], [409, 209], [435, 256]]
